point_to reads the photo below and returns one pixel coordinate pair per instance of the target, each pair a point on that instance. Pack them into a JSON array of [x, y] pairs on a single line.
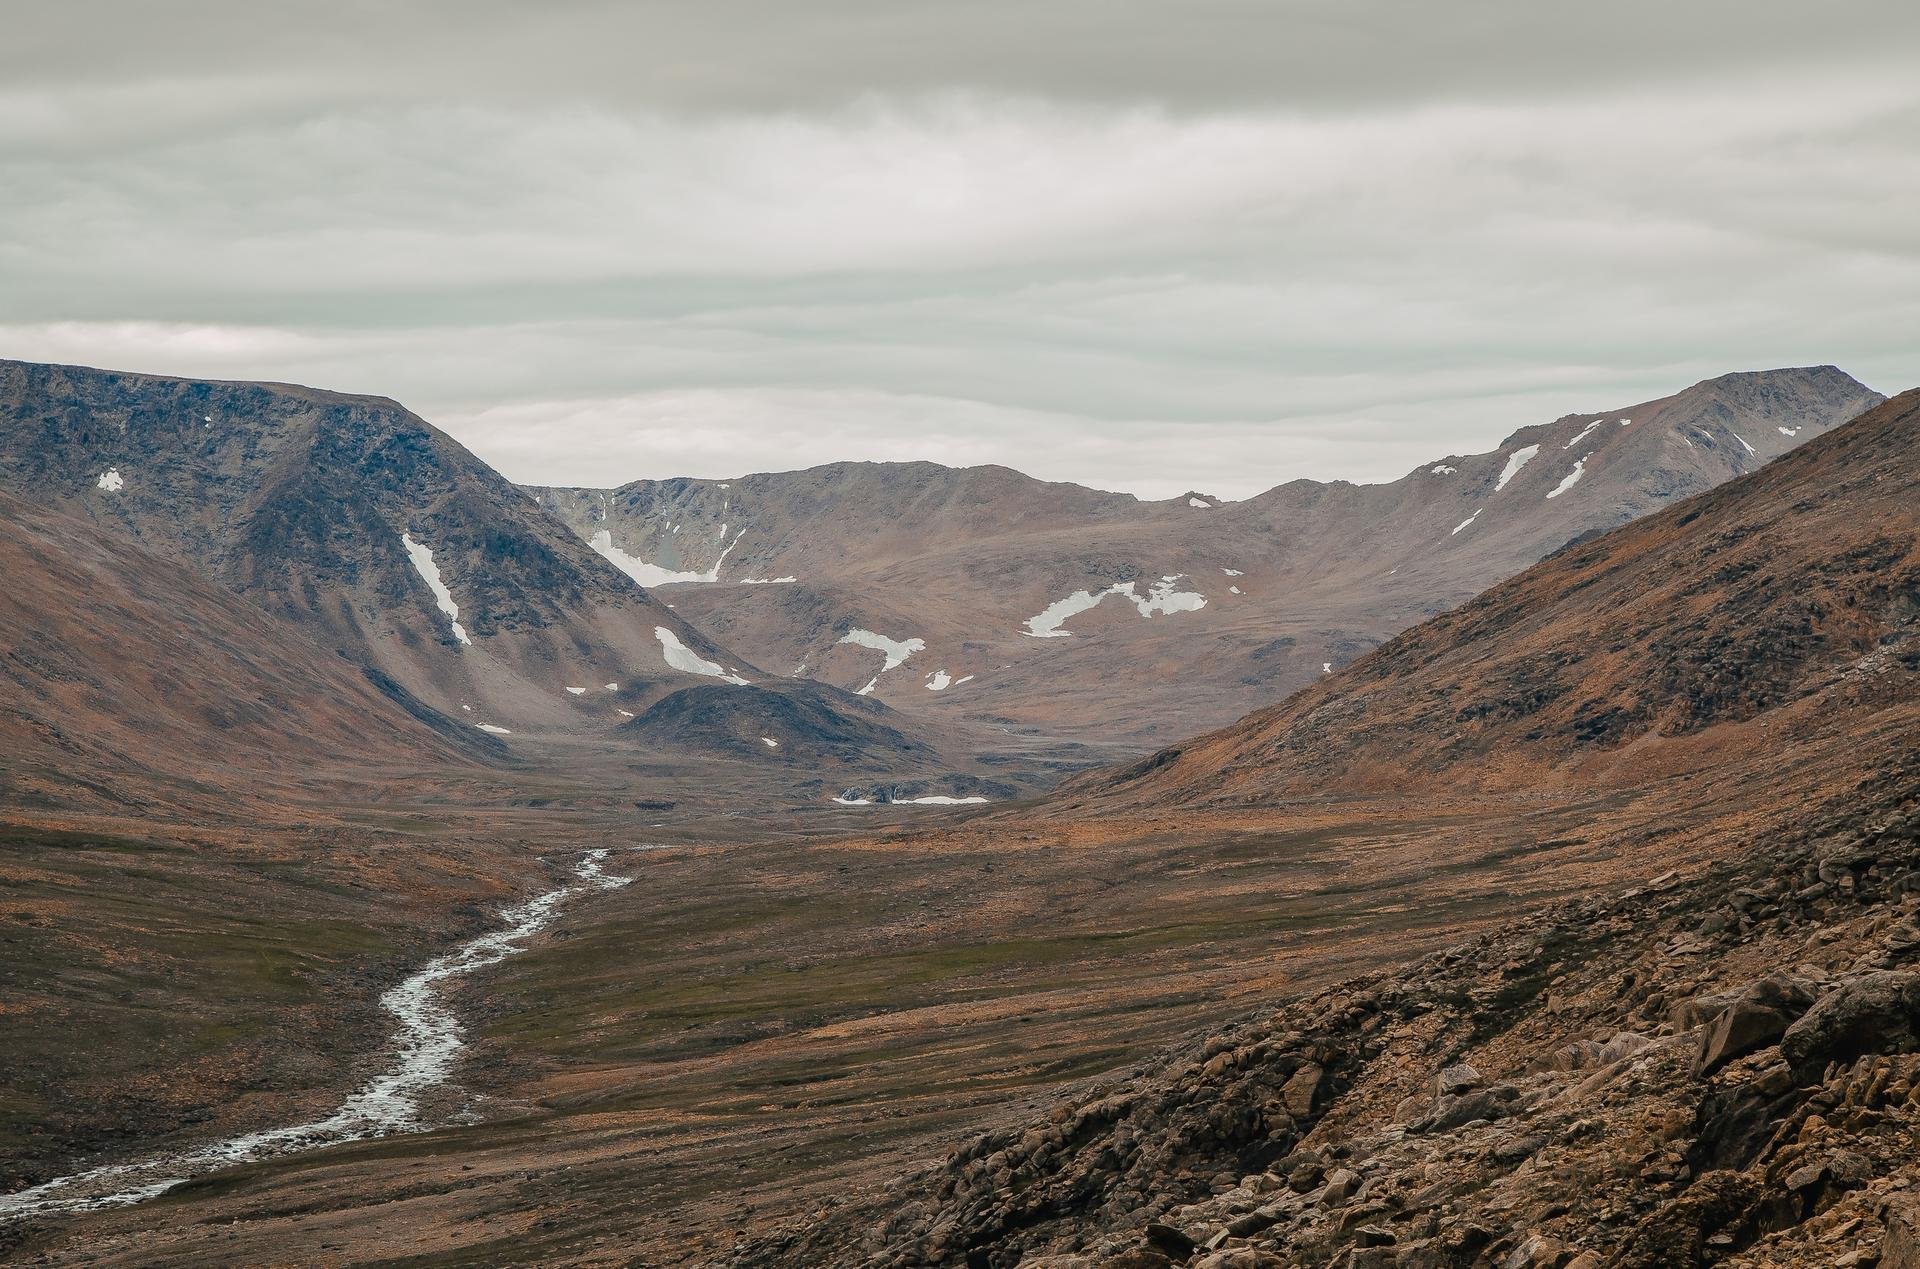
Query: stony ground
[[1716, 1069]]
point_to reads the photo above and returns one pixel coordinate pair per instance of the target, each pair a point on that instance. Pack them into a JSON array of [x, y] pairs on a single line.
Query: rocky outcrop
[[1722, 1069]]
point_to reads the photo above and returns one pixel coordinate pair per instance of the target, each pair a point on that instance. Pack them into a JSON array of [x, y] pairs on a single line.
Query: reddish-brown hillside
[[131, 682], [1802, 577]]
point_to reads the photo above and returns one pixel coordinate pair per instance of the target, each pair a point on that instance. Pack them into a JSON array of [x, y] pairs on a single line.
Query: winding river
[[426, 1043]]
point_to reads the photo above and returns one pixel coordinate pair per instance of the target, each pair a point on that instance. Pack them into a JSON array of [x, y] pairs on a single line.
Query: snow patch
[[939, 681], [1585, 432], [429, 572], [896, 650], [110, 481], [767, 581], [1626, 422], [1789, 431], [769, 742], [1441, 469], [1515, 461], [1201, 503], [652, 574], [868, 689], [578, 691], [1743, 441], [1572, 478], [1232, 572], [686, 660], [1161, 597], [1469, 520], [1326, 667], [492, 730], [1233, 590], [611, 687]]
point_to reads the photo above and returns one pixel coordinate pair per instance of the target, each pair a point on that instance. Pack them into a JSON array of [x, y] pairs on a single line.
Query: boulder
[[1875, 1013], [1742, 1028], [1456, 1079], [1302, 1094], [1901, 1247]]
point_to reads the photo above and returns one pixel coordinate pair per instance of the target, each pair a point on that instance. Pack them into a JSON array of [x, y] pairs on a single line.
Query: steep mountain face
[[355, 519], [1800, 578], [984, 594], [134, 684]]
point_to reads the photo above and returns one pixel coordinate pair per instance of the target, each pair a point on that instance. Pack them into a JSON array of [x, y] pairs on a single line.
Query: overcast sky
[[1214, 244]]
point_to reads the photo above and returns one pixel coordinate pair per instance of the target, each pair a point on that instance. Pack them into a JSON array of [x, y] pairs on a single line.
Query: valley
[[822, 974]]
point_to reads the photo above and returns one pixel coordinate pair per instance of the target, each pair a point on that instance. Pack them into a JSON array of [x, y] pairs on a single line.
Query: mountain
[[983, 594], [1693, 1038], [134, 685], [1800, 579], [357, 520], [380, 537]]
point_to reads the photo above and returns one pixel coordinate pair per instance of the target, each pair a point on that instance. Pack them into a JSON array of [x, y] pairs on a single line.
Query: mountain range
[[985, 595]]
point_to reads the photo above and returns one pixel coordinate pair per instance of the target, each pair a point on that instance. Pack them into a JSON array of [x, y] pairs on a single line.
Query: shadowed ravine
[[425, 1046]]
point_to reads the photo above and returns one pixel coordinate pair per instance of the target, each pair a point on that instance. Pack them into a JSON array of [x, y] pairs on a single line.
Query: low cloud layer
[[751, 242]]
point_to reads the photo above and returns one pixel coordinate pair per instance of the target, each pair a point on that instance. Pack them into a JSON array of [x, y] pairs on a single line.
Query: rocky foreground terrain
[[1718, 1070]]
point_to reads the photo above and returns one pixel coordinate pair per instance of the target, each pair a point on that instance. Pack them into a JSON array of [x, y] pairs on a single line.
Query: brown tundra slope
[[133, 685], [1796, 580], [1715, 1060], [1232, 605]]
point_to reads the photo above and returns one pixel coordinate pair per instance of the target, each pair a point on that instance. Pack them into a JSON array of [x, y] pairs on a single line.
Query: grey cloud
[[1149, 247]]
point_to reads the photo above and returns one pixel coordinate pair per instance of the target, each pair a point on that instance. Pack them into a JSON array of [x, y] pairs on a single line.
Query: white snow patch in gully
[[430, 574], [611, 687], [1201, 503], [1585, 432], [427, 1042], [492, 730], [652, 574], [1233, 590], [110, 481], [896, 650], [1788, 431], [624, 713], [769, 742], [1469, 520], [1232, 572], [686, 660], [1572, 478], [939, 681], [940, 800], [767, 581], [1743, 441], [1441, 469], [578, 691], [847, 801], [868, 689], [1626, 422], [1161, 597], [1326, 667], [1515, 461]]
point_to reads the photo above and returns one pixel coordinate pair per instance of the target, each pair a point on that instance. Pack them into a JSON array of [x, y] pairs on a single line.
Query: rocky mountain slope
[[380, 537], [1798, 579], [133, 684], [1716, 1065], [984, 594]]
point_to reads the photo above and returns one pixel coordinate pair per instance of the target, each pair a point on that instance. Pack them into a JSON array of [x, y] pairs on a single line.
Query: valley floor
[[779, 1012]]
